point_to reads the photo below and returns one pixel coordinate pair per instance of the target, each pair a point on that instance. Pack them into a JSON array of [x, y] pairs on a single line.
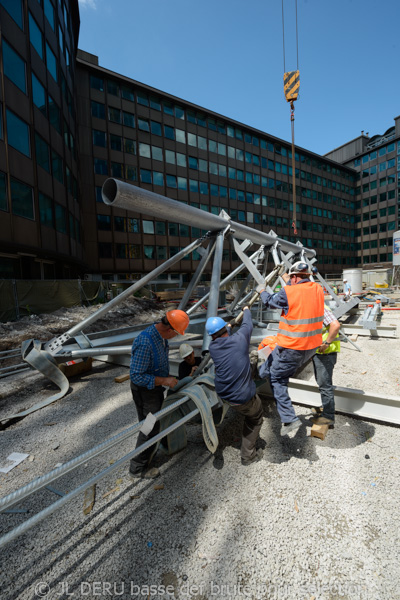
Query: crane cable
[[291, 86]]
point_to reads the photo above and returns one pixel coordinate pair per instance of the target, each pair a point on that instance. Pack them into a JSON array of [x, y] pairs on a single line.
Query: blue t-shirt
[[233, 381]]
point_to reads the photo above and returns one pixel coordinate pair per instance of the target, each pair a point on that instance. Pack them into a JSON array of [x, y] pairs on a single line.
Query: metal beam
[[124, 195]]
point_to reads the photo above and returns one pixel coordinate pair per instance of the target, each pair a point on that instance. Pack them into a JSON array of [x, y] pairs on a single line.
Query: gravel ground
[[314, 519]]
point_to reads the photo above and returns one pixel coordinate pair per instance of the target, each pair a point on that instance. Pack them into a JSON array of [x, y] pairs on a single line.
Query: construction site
[[312, 518], [197, 400]]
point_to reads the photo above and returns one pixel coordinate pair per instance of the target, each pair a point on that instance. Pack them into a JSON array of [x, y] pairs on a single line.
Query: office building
[[68, 124]]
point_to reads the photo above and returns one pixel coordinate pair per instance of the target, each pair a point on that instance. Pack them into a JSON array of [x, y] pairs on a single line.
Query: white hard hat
[[185, 350], [344, 279]]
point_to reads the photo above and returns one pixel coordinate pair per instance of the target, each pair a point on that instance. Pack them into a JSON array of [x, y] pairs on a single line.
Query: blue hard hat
[[214, 324]]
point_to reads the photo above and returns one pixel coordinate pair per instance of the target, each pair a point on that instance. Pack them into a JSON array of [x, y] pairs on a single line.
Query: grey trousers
[[146, 401], [253, 418]]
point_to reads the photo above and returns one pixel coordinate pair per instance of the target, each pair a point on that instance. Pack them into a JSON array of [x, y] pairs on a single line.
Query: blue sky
[[227, 56]]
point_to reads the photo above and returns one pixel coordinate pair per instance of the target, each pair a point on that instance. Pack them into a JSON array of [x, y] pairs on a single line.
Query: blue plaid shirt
[[145, 366]]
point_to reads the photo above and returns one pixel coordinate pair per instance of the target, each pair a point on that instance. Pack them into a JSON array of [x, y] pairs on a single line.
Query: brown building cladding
[[67, 124]]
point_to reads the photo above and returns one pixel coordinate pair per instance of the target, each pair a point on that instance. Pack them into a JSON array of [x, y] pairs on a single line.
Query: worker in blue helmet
[[233, 378]]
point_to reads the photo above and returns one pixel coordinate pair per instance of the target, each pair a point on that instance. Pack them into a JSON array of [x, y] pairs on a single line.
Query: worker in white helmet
[[347, 290], [189, 363]]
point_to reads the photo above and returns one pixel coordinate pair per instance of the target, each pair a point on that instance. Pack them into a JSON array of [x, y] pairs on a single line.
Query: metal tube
[[212, 307], [240, 292], [134, 288], [124, 195], [59, 503], [223, 282], [41, 482], [198, 273]]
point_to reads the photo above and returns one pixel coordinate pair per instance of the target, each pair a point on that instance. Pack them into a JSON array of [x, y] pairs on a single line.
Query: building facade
[[68, 124], [40, 212], [377, 162]]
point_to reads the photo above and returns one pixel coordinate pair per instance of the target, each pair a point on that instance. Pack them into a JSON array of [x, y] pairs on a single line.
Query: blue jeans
[[323, 370], [282, 364]]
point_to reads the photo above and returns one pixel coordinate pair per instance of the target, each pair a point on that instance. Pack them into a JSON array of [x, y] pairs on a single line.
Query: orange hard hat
[[178, 320], [270, 341]]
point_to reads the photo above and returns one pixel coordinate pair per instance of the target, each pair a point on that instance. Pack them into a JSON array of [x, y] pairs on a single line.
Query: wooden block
[[319, 431], [121, 378], [354, 337], [76, 367], [89, 499]]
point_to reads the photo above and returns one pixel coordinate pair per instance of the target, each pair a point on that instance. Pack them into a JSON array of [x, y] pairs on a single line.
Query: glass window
[[193, 164], [171, 181], [96, 83], [127, 93], [35, 36], [98, 110], [60, 38], [22, 199], [104, 222], [129, 119], [160, 228], [143, 125], [99, 138], [46, 210], [144, 150], [193, 185], [145, 176], [61, 221], [173, 229], [149, 252], [117, 170], [148, 227], [130, 173], [221, 149], [182, 183], [3, 192], [180, 136], [54, 115], [113, 88], [168, 108], [14, 67], [158, 178], [204, 188], [212, 146], [192, 139], [38, 95], [156, 153], [18, 133], [42, 153], [51, 62], [116, 142], [382, 151], [142, 98], [49, 12], [390, 147], [179, 112], [57, 166], [14, 9], [161, 252], [100, 166], [155, 104], [114, 114], [99, 197], [155, 128], [181, 159], [170, 157], [129, 146], [169, 132]]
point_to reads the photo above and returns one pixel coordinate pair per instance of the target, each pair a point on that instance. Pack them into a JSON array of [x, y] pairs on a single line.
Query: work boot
[[257, 456], [317, 410], [322, 421], [146, 474], [288, 427]]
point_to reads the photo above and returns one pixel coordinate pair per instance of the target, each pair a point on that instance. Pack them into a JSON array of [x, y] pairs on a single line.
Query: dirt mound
[[44, 327]]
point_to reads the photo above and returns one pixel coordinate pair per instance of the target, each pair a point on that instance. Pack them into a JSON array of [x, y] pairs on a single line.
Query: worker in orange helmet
[[149, 375]]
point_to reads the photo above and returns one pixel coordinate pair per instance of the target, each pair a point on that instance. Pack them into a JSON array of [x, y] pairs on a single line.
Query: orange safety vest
[[269, 341], [301, 328]]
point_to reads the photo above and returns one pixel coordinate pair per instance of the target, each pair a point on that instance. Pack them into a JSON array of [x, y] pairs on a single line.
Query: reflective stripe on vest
[[301, 328]]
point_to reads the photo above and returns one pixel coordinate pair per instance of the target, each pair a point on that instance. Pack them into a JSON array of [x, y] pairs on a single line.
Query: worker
[[189, 363], [149, 373], [347, 290], [233, 379], [324, 362], [299, 335]]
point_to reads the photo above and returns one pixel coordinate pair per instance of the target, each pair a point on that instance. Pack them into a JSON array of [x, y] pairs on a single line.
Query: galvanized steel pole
[[124, 195]]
